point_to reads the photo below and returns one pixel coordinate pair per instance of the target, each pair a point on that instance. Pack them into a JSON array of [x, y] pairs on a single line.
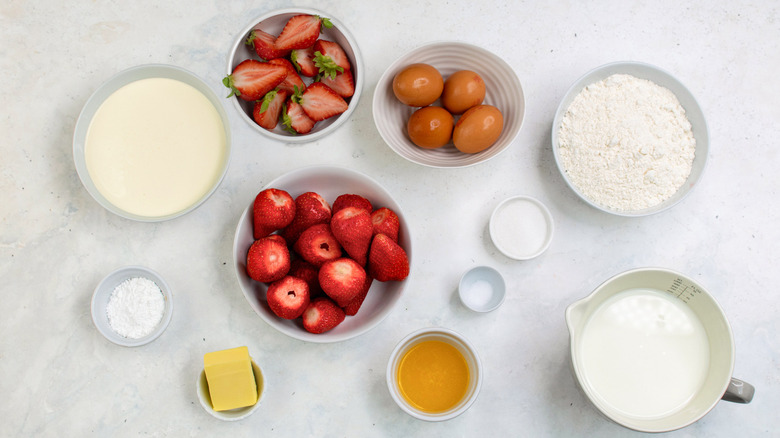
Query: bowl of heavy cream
[[653, 351], [152, 143]]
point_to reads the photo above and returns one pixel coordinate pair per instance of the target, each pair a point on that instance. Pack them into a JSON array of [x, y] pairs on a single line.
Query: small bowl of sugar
[[482, 289], [132, 306]]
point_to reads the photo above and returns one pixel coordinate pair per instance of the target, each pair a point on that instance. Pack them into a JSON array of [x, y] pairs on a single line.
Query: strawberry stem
[[228, 82], [326, 65]]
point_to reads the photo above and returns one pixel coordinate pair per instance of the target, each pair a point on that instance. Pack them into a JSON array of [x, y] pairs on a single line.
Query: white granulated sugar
[[135, 308], [626, 143]]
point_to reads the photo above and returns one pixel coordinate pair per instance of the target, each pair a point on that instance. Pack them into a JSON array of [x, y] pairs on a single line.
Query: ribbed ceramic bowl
[[502, 90], [329, 182], [273, 22], [660, 77]]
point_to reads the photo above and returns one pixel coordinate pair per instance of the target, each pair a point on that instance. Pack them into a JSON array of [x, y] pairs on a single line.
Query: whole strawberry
[[342, 280], [288, 297], [353, 229], [272, 210], [387, 261], [310, 209], [268, 259], [317, 245], [386, 222], [351, 200], [322, 315]]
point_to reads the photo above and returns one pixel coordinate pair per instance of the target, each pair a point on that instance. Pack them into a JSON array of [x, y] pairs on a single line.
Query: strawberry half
[[353, 228], [322, 315], [252, 79], [317, 245], [272, 210], [387, 261], [351, 200], [264, 45], [330, 58], [301, 31], [303, 61], [352, 308], [266, 112], [295, 119], [386, 222], [288, 297], [292, 79], [310, 209], [342, 280], [268, 259], [343, 84], [320, 102]]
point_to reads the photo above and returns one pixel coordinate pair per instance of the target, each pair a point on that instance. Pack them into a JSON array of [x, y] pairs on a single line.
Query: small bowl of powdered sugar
[[132, 306], [630, 139]]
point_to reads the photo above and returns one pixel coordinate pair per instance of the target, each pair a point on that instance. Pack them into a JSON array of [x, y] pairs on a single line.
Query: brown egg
[[477, 129], [462, 90], [418, 85], [430, 127]]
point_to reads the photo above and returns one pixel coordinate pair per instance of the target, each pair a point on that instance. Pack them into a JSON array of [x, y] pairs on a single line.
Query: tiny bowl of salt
[[482, 289], [132, 306]]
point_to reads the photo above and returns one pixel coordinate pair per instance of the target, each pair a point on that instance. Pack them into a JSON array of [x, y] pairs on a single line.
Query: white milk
[[155, 147], [645, 353]]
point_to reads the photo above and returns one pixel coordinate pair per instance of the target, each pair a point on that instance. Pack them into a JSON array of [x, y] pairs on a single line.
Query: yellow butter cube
[[230, 378]]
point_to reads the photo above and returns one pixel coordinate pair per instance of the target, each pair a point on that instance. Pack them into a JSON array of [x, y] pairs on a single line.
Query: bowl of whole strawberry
[[295, 75], [322, 253]]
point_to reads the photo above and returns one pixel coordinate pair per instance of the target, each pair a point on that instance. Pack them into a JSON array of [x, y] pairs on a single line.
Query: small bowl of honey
[[434, 374]]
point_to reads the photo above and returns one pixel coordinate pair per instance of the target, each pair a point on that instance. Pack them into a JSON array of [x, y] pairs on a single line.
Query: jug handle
[[739, 391]]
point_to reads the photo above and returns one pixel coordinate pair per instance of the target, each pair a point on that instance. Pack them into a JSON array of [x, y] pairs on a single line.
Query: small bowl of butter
[[230, 386], [152, 143]]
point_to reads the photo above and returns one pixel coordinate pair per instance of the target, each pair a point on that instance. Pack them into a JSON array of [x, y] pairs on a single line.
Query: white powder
[[135, 307], [626, 143]]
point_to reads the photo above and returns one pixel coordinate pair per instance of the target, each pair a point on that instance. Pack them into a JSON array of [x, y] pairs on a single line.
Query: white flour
[[626, 144], [135, 307]]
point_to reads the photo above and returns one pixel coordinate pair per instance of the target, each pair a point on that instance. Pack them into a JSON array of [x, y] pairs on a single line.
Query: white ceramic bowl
[[202, 387], [503, 91], [660, 77], [482, 289], [116, 82], [102, 295], [521, 227], [435, 334], [330, 182], [273, 22]]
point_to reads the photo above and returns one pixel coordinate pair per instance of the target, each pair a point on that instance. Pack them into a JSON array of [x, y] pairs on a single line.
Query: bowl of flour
[[630, 139]]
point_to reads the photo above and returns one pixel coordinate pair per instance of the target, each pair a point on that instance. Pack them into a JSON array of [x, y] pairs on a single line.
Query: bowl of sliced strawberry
[[295, 75], [322, 253]]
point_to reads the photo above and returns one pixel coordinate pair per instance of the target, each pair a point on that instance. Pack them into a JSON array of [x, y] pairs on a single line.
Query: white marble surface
[[61, 378]]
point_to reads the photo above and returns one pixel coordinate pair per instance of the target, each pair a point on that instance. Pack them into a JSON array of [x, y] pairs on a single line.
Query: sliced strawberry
[[330, 58], [272, 210], [321, 315], [301, 31], [317, 245], [252, 79], [343, 84], [268, 259], [387, 261], [310, 209], [386, 222], [320, 102], [295, 119], [288, 297], [353, 228], [342, 280], [266, 112], [351, 200], [263, 43], [292, 80], [303, 61], [352, 308], [307, 272]]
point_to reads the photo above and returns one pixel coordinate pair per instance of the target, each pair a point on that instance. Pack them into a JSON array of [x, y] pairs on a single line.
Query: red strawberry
[[252, 79], [321, 315], [295, 120], [301, 31], [268, 259], [310, 209], [320, 102], [386, 222], [317, 245], [352, 308], [343, 84], [292, 79], [387, 261], [272, 210], [308, 273], [303, 60], [267, 111], [288, 297], [330, 58], [351, 200], [263, 43], [342, 280], [353, 229]]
